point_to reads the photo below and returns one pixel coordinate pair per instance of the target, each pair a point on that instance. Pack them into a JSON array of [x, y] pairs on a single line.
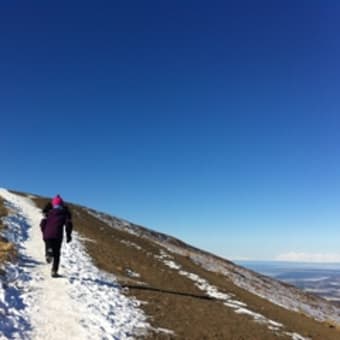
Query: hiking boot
[[54, 273]]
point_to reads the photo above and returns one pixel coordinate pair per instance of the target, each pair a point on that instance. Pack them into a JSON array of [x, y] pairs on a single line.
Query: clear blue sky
[[213, 121]]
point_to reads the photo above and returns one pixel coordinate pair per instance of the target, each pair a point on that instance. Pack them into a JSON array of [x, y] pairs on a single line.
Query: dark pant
[[55, 246]]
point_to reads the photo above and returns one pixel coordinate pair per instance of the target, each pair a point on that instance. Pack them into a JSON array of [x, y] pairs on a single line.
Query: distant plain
[[322, 279]]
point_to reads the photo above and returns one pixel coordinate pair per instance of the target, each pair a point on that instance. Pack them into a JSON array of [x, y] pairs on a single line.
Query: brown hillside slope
[[174, 302]]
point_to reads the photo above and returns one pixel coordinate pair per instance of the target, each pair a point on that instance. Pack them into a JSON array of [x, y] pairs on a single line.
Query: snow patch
[[85, 301], [132, 274], [274, 291], [131, 244], [238, 306]]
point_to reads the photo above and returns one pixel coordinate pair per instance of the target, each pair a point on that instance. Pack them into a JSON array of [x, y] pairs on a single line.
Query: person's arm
[[45, 212], [47, 208], [43, 224]]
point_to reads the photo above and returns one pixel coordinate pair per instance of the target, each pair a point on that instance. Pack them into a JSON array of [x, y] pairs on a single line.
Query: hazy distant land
[[322, 279]]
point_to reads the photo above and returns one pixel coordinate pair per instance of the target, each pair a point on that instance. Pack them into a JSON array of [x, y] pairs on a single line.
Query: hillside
[[183, 292]]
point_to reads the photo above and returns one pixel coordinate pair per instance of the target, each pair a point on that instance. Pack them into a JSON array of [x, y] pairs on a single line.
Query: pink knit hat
[[57, 201]]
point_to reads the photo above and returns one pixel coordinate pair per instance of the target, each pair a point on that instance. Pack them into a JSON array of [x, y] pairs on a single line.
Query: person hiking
[[56, 216]]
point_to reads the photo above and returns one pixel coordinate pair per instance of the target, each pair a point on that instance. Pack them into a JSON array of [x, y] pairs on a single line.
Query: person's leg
[[48, 251], [56, 255]]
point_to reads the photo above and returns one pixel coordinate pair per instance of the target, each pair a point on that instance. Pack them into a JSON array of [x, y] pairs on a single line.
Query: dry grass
[[7, 249], [3, 210], [173, 301]]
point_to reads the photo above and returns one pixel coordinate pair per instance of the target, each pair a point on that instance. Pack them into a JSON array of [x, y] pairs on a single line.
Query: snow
[[85, 302], [239, 307], [90, 304], [132, 274], [272, 290], [113, 222], [131, 244]]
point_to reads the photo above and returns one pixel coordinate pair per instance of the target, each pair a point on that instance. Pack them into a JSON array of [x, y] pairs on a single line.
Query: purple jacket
[[53, 224]]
